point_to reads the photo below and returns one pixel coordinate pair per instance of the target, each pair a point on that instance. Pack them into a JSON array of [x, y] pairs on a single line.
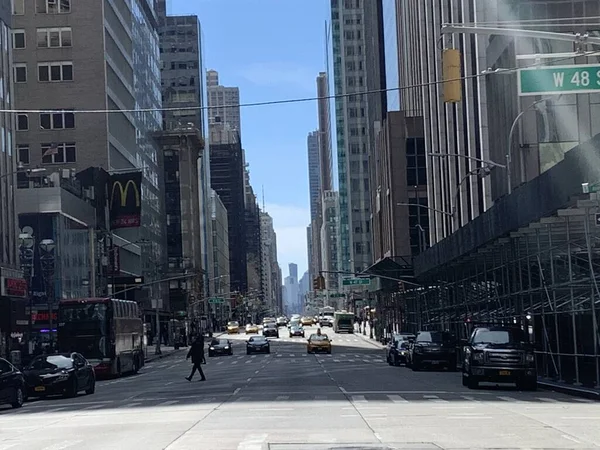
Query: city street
[[291, 400]]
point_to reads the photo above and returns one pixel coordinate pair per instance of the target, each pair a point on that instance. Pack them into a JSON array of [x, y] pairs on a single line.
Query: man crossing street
[[196, 352]]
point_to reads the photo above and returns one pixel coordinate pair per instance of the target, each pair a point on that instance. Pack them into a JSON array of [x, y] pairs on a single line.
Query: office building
[[253, 244], [330, 241], [219, 277], [227, 179], [102, 55], [291, 291], [352, 40], [324, 133], [314, 173], [271, 272], [224, 103], [181, 154]]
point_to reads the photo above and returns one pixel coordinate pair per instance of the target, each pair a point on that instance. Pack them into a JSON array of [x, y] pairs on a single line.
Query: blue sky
[[271, 49]]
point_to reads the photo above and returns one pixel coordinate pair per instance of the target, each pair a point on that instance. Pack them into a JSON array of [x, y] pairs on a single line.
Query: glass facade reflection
[[390, 37]]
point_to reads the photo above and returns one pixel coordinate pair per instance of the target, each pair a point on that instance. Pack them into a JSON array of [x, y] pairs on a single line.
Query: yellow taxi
[[233, 327], [251, 329], [318, 343], [306, 321]]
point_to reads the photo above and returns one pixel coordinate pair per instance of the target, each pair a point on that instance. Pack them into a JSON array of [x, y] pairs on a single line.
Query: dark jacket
[[197, 351]]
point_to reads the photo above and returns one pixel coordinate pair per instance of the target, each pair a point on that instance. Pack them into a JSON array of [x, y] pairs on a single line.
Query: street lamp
[[47, 259], [26, 257]]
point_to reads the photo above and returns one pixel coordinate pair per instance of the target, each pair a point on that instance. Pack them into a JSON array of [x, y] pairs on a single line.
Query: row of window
[[52, 153], [43, 6], [48, 121], [46, 38], [46, 71]]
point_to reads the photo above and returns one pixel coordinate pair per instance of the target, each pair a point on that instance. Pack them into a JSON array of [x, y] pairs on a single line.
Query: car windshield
[[318, 337], [258, 340], [51, 362], [232, 324], [219, 342], [433, 336], [486, 336]]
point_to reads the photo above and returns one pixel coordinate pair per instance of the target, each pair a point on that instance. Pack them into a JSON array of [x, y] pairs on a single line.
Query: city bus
[[107, 332]]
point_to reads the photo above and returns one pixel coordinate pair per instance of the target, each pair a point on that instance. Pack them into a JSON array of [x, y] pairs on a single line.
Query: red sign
[[15, 287], [43, 316]]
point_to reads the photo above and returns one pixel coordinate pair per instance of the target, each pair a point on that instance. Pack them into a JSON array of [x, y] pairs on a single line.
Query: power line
[[287, 101]]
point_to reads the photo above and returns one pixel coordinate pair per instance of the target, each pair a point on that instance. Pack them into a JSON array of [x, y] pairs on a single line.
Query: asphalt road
[[289, 400]]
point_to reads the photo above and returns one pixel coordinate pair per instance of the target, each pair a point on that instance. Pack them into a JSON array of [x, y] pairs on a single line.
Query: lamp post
[[47, 259], [26, 257]]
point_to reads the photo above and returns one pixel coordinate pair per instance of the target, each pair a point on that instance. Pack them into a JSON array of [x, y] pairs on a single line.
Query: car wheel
[[465, 380], [92, 388], [415, 366], [19, 398], [472, 382]]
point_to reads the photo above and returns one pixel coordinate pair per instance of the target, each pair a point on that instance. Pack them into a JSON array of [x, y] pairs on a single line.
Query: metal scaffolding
[[544, 277]]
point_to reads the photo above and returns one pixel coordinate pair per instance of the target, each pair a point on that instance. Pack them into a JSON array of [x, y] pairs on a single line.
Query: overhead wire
[[292, 100]]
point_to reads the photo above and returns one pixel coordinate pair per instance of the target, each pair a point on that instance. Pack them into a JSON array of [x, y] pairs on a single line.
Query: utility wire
[[292, 100]]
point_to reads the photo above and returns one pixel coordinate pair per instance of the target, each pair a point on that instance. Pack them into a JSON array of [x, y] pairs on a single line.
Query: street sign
[[572, 79], [356, 281], [336, 295], [598, 219], [215, 300], [588, 188]]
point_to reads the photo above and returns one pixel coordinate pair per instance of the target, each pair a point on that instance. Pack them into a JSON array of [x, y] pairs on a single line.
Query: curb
[[570, 390]]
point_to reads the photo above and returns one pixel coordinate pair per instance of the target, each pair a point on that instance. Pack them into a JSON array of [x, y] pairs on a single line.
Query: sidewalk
[[576, 391], [165, 351], [374, 342]]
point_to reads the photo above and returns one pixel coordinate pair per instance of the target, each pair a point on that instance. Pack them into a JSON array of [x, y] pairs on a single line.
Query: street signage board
[[337, 295], [356, 282], [549, 80], [215, 300]]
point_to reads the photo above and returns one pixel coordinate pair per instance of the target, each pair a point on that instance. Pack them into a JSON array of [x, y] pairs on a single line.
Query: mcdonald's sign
[[125, 201]]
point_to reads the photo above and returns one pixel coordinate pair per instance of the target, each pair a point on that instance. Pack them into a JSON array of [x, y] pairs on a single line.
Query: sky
[[271, 50]]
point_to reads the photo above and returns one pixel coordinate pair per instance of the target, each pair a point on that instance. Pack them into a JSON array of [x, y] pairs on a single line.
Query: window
[[53, 6], [23, 153], [18, 7], [56, 71], [18, 39], [20, 73], [54, 37], [57, 121], [58, 153], [22, 122]]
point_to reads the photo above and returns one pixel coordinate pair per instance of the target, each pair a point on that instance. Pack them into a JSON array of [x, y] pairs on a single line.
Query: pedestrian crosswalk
[[357, 399]]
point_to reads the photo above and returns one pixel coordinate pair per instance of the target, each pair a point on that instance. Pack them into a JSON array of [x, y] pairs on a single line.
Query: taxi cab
[[306, 321], [233, 327], [318, 343], [251, 329]]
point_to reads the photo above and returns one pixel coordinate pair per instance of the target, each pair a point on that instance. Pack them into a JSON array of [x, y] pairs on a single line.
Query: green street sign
[[337, 295], [356, 281], [215, 300], [572, 79]]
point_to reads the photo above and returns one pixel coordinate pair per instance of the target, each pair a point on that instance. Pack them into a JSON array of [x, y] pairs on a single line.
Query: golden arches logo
[[123, 191]]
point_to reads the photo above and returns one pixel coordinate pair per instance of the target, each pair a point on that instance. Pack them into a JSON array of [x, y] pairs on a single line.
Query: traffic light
[[319, 283], [451, 75]]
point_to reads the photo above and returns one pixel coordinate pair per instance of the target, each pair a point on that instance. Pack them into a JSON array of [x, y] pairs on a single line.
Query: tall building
[[330, 240], [9, 230], [101, 55], [324, 119], [253, 240], [270, 266], [227, 179], [290, 299], [352, 36], [220, 276], [224, 103], [181, 154], [314, 173]]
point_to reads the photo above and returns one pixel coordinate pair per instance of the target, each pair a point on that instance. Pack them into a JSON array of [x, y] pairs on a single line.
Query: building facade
[[352, 39], [271, 277], [220, 256], [253, 242], [314, 173], [104, 55], [224, 103], [330, 241]]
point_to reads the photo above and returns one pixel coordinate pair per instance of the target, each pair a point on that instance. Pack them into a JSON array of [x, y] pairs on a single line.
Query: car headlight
[[211, 348], [226, 347], [530, 357]]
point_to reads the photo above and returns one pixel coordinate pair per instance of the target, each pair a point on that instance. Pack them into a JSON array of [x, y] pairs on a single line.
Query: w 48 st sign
[[573, 79]]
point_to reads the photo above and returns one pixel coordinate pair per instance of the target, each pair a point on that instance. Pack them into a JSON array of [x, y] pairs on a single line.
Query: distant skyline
[[239, 44]]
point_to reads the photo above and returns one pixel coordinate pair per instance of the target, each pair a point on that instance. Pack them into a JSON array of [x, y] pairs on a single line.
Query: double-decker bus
[[107, 332]]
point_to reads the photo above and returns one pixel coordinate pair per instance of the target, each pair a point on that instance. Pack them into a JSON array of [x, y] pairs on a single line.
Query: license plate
[[504, 372], [40, 389]]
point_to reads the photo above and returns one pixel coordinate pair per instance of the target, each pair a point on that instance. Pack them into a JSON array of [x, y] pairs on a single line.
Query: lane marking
[[131, 405], [236, 391], [510, 399], [359, 399], [469, 398], [167, 403], [248, 380], [548, 400], [93, 407], [253, 442], [282, 397], [397, 399]]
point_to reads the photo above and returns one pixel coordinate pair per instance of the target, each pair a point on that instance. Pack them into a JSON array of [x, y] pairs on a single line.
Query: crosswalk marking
[[548, 400], [397, 399], [510, 399], [583, 400], [469, 398], [359, 399], [435, 398], [131, 405]]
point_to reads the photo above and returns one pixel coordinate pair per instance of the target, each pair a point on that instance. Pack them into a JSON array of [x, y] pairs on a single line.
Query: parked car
[[12, 385], [64, 374]]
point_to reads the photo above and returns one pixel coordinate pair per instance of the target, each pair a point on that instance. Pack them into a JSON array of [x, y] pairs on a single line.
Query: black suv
[[433, 348], [499, 354]]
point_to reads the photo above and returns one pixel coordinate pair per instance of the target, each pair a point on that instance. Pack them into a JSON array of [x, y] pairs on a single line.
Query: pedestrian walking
[[196, 352]]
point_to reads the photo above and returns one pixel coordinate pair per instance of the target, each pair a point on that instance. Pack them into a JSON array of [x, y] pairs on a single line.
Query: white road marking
[[566, 436], [469, 398], [220, 362], [510, 399], [131, 405], [271, 409], [249, 361], [582, 400], [292, 354], [548, 400], [359, 399], [93, 407], [248, 380], [464, 416], [169, 383], [236, 391], [397, 399], [282, 397], [234, 362], [253, 442], [170, 402]]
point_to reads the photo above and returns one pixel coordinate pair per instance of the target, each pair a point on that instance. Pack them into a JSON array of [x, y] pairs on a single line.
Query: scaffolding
[[543, 277]]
